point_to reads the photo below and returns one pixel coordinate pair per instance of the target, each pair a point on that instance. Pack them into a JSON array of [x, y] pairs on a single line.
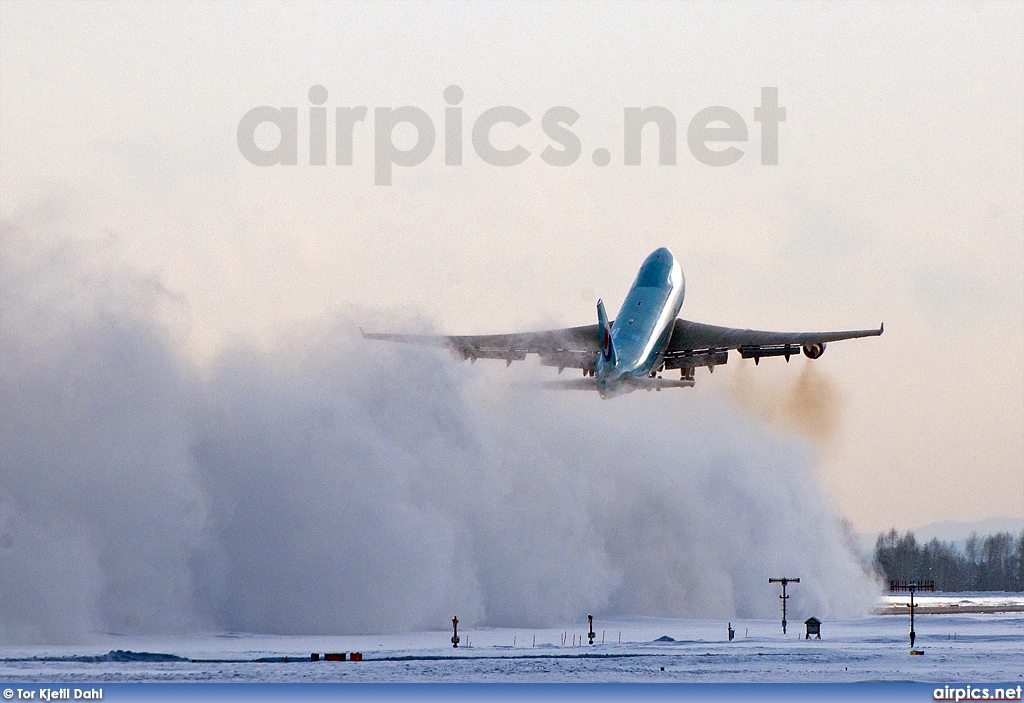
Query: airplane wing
[[572, 347], [697, 344], [691, 344]]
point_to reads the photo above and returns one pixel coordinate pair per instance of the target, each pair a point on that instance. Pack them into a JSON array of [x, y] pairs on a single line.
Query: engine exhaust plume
[[810, 404]]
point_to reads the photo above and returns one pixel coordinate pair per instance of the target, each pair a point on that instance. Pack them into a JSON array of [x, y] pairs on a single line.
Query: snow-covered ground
[[958, 648]]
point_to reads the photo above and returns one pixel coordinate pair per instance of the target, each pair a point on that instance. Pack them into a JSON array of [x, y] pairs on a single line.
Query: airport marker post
[[895, 585], [784, 580]]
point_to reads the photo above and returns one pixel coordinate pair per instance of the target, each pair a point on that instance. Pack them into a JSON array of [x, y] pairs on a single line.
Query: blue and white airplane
[[646, 339]]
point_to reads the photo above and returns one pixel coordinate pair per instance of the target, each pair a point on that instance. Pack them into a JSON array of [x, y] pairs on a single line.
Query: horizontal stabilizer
[[659, 383], [576, 384], [590, 384]]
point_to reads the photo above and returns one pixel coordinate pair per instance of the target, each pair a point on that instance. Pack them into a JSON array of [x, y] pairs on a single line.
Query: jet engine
[[813, 351]]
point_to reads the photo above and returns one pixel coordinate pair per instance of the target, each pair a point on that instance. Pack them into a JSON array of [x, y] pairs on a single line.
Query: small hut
[[813, 627]]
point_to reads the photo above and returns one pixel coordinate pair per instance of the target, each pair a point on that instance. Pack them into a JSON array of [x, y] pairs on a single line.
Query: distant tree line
[[994, 563]]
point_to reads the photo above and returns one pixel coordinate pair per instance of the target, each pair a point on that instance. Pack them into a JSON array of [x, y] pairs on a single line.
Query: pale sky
[[898, 196]]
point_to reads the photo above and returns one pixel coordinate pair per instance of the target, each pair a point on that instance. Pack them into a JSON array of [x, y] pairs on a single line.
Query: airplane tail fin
[[607, 349]]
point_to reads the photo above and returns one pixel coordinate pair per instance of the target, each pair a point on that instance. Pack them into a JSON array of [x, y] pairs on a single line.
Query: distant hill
[[949, 531], [960, 531]]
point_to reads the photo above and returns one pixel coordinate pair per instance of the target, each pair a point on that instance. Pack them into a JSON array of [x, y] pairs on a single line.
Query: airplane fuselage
[[642, 329]]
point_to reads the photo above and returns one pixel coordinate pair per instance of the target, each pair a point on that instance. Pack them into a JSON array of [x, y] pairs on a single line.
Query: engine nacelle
[[813, 351]]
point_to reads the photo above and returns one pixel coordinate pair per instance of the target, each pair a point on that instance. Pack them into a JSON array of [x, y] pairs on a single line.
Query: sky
[[898, 196]]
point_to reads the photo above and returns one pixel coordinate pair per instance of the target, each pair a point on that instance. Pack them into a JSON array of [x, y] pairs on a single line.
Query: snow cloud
[[333, 485]]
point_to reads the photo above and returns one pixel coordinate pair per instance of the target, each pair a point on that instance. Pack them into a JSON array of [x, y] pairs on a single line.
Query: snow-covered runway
[[958, 647]]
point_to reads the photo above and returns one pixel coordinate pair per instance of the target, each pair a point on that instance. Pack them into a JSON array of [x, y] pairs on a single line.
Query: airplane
[[645, 339]]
